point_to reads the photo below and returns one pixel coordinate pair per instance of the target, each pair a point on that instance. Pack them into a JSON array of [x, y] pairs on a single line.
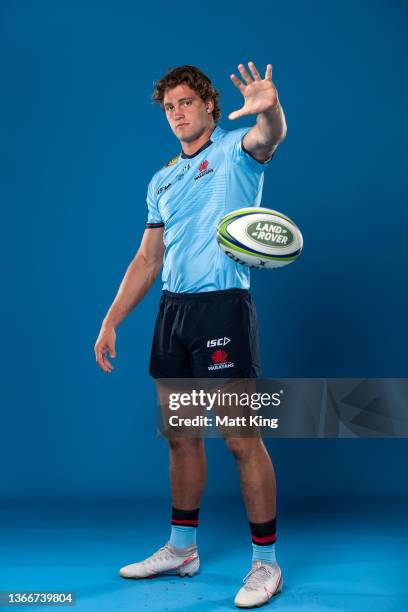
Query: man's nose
[[179, 112]]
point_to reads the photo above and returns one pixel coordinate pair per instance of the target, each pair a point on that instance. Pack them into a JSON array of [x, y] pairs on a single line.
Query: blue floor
[[338, 560]]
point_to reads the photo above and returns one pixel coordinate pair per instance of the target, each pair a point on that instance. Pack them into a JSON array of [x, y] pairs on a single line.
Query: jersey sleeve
[[236, 150], [153, 214]]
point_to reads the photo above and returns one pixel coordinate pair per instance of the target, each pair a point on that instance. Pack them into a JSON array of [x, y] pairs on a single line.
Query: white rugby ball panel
[[259, 237], [254, 262], [270, 235]]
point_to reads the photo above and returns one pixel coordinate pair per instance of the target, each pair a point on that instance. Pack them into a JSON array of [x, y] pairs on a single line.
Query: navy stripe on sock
[[263, 534], [188, 518]]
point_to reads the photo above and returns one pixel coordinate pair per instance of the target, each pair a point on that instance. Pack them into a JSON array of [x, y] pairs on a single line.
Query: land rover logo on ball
[[271, 234]]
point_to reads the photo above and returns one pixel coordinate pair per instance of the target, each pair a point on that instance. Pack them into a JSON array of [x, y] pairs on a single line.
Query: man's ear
[[209, 105]]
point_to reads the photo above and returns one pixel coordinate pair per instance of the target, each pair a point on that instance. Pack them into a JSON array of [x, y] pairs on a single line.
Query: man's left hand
[[260, 95]]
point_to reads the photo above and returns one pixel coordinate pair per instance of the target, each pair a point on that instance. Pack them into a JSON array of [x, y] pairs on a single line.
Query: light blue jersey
[[188, 197]]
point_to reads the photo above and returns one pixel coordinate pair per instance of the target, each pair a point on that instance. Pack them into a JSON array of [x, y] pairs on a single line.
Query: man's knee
[[185, 445], [243, 448]]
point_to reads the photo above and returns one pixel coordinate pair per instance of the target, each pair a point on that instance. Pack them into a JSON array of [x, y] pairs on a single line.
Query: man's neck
[[189, 148]]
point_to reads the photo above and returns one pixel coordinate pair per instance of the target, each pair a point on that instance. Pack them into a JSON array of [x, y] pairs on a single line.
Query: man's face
[[189, 116]]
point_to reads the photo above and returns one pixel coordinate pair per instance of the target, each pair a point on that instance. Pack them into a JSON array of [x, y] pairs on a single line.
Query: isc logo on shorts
[[218, 342]]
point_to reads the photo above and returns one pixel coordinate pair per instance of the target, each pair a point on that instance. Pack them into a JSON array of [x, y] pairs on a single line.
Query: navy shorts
[[212, 334]]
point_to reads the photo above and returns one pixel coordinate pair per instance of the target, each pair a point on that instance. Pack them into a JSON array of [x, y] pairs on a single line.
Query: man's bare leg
[[188, 472], [257, 477], [188, 467], [258, 486]]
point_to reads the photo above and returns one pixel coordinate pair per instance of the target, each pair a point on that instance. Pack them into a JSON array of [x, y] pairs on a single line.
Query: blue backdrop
[[80, 141]]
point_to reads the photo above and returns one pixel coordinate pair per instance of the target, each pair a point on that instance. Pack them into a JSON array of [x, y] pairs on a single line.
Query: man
[[205, 297]]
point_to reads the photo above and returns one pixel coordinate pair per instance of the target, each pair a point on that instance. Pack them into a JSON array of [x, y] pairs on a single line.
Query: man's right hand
[[105, 344], [138, 279]]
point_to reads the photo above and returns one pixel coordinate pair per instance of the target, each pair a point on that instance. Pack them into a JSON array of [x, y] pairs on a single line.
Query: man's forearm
[[271, 125], [264, 137], [138, 279]]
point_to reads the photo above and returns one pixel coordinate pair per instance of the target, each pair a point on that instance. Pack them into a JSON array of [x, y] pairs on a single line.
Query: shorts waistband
[[203, 295]]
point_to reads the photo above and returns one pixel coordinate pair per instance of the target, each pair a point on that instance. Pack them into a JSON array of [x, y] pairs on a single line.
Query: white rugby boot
[[260, 584], [167, 560]]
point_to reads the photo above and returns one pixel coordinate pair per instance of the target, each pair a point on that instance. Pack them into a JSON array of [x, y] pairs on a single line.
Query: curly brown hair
[[195, 79]]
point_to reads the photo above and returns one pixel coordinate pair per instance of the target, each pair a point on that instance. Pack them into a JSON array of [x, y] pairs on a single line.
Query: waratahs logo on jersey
[[271, 234], [203, 169]]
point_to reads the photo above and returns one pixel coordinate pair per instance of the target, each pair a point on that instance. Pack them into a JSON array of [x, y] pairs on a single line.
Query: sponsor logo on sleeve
[[172, 161], [163, 189]]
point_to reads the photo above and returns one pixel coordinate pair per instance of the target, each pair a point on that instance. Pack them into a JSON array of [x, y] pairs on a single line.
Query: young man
[[205, 297]]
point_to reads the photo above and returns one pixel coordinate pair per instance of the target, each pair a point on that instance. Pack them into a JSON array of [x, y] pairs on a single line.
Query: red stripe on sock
[[192, 523], [269, 539]]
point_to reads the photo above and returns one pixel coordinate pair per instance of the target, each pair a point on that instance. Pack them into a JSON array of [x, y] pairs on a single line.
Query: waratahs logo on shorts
[[271, 234], [203, 169], [219, 356], [219, 360]]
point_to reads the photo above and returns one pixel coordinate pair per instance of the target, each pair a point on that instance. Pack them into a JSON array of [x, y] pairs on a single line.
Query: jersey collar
[[214, 136]]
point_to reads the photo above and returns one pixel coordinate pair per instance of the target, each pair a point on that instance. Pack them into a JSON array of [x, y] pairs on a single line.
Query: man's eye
[[187, 102]]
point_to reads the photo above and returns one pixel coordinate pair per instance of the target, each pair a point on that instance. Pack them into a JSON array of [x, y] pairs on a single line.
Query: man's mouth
[[181, 125]]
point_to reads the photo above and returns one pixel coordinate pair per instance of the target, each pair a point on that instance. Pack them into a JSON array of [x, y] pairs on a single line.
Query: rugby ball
[[259, 238]]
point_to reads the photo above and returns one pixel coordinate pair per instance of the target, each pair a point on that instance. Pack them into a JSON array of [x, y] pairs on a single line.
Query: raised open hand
[[259, 94]]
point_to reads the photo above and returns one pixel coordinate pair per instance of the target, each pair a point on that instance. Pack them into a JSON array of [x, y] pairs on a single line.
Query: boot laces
[[256, 577], [161, 554]]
